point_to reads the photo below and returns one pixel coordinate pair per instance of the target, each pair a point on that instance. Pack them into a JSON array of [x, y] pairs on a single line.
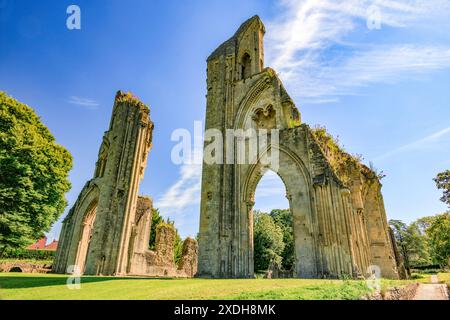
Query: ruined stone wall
[[160, 262], [96, 232], [26, 267], [107, 231], [188, 261], [381, 247], [331, 232], [401, 270]]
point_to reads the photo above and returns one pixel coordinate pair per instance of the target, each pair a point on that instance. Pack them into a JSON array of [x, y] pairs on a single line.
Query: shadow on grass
[[31, 281]]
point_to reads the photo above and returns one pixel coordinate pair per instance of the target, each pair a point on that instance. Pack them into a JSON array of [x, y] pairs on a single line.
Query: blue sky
[[384, 91]]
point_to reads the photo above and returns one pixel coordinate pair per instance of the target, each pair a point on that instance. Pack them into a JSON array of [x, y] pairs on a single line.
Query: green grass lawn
[[444, 277], [51, 286], [34, 261]]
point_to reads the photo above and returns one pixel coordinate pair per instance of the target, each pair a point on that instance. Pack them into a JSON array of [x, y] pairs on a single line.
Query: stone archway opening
[[86, 233], [246, 66], [273, 234], [16, 269], [328, 210]]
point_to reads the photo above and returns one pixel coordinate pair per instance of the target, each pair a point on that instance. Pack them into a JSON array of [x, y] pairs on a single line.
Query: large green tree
[[443, 182], [33, 175], [400, 230], [283, 219], [439, 238], [268, 241], [156, 220], [419, 249], [412, 242]]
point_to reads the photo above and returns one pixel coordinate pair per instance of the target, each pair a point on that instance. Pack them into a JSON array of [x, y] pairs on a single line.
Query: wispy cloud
[[416, 145], [315, 47], [86, 103], [311, 45], [185, 192]]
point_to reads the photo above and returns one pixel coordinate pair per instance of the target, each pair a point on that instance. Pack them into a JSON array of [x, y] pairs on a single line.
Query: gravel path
[[434, 291]]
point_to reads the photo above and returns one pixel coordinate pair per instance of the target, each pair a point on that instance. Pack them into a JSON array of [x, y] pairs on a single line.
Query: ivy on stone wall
[[342, 162]]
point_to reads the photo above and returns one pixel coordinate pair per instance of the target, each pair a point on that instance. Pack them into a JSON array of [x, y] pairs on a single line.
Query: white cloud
[[185, 192], [417, 145], [298, 44], [382, 64], [87, 103], [301, 40]]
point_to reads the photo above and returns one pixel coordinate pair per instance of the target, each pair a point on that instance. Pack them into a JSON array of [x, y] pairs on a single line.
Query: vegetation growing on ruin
[[129, 97], [293, 123], [158, 222], [342, 162]]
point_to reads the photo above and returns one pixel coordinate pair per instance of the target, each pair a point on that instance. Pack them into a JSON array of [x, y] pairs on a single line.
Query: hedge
[[28, 254]]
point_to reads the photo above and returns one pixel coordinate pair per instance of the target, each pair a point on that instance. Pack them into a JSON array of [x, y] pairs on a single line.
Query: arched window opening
[[87, 229], [102, 158], [273, 234], [246, 65]]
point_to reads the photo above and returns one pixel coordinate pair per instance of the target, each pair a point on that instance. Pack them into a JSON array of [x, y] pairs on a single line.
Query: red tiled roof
[[52, 246], [39, 245]]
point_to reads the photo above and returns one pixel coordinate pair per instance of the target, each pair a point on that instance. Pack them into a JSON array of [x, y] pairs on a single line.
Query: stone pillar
[[114, 190]]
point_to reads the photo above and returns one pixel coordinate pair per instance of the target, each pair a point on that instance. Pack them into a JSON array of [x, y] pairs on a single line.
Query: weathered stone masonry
[[107, 230], [340, 229]]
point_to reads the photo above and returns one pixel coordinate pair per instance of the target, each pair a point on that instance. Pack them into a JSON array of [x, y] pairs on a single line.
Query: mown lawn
[[444, 277], [50, 286], [40, 261]]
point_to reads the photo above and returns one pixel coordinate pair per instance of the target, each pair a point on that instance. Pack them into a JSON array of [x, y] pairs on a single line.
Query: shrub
[[25, 254]]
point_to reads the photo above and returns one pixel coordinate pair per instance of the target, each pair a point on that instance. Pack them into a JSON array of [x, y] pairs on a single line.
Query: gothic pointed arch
[[332, 238]]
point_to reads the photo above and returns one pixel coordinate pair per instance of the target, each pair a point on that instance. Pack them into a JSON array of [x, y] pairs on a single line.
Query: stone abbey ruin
[[107, 230], [340, 227], [339, 220]]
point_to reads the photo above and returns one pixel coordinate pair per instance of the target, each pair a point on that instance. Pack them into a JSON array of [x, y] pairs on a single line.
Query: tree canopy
[[283, 219], [268, 241], [443, 182], [412, 243], [33, 175], [423, 242], [439, 239]]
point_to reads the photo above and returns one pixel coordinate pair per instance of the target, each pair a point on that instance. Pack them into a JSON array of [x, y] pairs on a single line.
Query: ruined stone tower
[[107, 230], [340, 227], [96, 232]]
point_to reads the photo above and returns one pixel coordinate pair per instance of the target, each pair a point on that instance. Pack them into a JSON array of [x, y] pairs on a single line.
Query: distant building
[[41, 244], [52, 246]]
